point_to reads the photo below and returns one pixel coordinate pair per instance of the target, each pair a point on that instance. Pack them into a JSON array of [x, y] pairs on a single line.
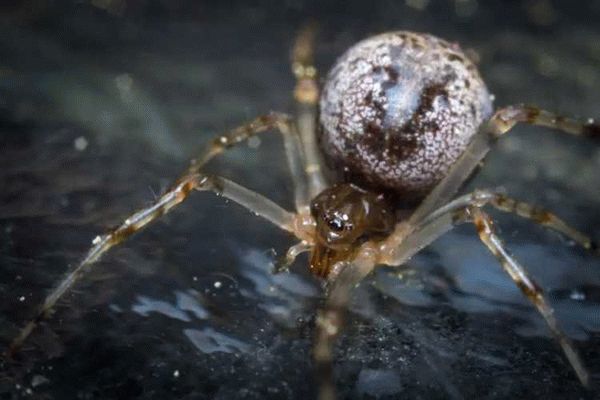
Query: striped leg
[[528, 286], [510, 205], [306, 94], [254, 202], [291, 142], [466, 210], [479, 198]]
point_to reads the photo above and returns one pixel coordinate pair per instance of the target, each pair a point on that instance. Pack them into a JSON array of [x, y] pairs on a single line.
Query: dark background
[[103, 102]]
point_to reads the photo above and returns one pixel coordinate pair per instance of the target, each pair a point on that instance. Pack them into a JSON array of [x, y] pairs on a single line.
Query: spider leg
[[510, 205], [307, 88], [442, 222], [329, 320], [528, 286], [501, 122], [306, 94], [254, 202], [294, 251], [291, 142]]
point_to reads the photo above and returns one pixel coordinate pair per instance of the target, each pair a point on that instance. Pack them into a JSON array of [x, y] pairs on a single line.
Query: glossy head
[[398, 109], [347, 216]]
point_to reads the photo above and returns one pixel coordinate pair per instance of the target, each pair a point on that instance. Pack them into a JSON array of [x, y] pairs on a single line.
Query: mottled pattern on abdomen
[[398, 109]]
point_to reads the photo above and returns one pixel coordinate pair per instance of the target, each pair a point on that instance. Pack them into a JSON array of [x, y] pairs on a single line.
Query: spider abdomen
[[398, 109]]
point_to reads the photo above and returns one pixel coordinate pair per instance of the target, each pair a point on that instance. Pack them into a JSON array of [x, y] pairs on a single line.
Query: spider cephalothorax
[[401, 112], [347, 216]]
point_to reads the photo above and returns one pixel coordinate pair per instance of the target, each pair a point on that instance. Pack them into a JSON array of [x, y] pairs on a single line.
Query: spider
[[402, 121]]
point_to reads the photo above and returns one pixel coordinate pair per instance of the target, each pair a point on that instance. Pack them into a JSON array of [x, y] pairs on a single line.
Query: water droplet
[[577, 295], [80, 143]]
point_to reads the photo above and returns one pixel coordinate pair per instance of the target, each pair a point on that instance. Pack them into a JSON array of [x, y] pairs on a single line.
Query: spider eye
[[335, 224]]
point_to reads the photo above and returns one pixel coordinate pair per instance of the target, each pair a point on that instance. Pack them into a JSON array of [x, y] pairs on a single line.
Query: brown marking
[[121, 233], [455, 57], [541, 216], [402, 145], [186, 188], [505, 203], [414, 42], [391, 73], [418, 45], [375, 129], [402, 141], [483, 228], [531, 290], [361, 140], [265, 120], [323, 258], [531, 114], [501, 200]]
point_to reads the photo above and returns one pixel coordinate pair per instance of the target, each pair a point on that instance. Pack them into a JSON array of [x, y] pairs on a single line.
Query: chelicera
[[402, 121]]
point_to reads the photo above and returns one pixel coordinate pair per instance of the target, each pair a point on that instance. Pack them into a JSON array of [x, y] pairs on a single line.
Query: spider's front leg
[[193, 179], [254, 202]]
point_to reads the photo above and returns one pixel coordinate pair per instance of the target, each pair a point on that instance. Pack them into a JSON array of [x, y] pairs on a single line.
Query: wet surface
[[102, 103]]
